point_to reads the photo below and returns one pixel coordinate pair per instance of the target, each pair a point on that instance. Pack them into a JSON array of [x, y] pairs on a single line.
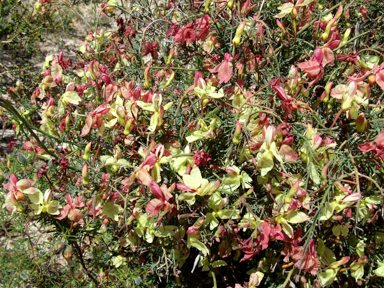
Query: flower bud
[[236, 136], [93, 75], [361, 123], [67, 123], [170, 79], [346, 36], [372, 79], [38, 6], [207, 3], [87, 151], [146, 77], [239, 31], [127, 128], [120, 111], [324, 176], [170, 56], [327, 91], [85, 174], [118, 153], [292, 192], [338, 13], [230, 4], [325, 35], [281, 27]]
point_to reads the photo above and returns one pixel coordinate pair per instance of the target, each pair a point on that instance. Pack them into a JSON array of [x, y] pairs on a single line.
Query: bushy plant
[[236, 141]]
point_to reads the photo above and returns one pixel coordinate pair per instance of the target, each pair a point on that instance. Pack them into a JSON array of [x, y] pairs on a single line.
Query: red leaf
[[154, 207], [329, 57], [155, 189], [225, 72], [380, 79], [311, 67]]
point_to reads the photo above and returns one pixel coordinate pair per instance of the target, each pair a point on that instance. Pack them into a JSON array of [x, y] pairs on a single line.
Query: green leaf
[[265, 162], [146, 106], [314, 174], [219, 263], [285, 10], [358, 272], [211, 220], [198, 245], [70, 97], [229, 214], [196, 135], [326, 278], [189, 197], [112, 210], [305, 3], [193, 180], [166, 231], [380, 271], [296, 217], [326, 212]]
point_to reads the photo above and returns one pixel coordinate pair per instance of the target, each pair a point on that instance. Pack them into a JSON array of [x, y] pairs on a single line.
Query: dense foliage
[[236, 141]]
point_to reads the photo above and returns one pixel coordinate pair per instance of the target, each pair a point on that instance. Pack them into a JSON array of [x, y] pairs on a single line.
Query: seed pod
[[207, 3], [239, 31], [127, 128], [171, 54], [346, 36], [325, 35], [361, 123], [146, 77], [236, 136], [87, 151], [324, 176], [85, 174], [292, 192], [230, 4], [327, 91], [67, 123], [170, 79]]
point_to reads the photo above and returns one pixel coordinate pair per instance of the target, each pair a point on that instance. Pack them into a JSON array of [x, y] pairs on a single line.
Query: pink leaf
[[153, 207], [155, 189], [225, 72], [329, 57], [63, 212], [145, 178], [288, 153], [87, 127], [318, 55], [280, 92], [338, 91], [380, 79], [13, 179], [183, 187], [75, 215], [311, 67]]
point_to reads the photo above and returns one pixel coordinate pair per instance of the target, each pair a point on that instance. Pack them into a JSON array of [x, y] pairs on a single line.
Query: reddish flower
[[376, 146], [308, 261], [201, 158], [74, 214], [314, 66], [186, 34], [150, 48], [161, 202], [173, 30], [225, 69], [95, 119]]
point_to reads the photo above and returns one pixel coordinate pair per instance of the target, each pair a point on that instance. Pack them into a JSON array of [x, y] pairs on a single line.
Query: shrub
[[210, 140]]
